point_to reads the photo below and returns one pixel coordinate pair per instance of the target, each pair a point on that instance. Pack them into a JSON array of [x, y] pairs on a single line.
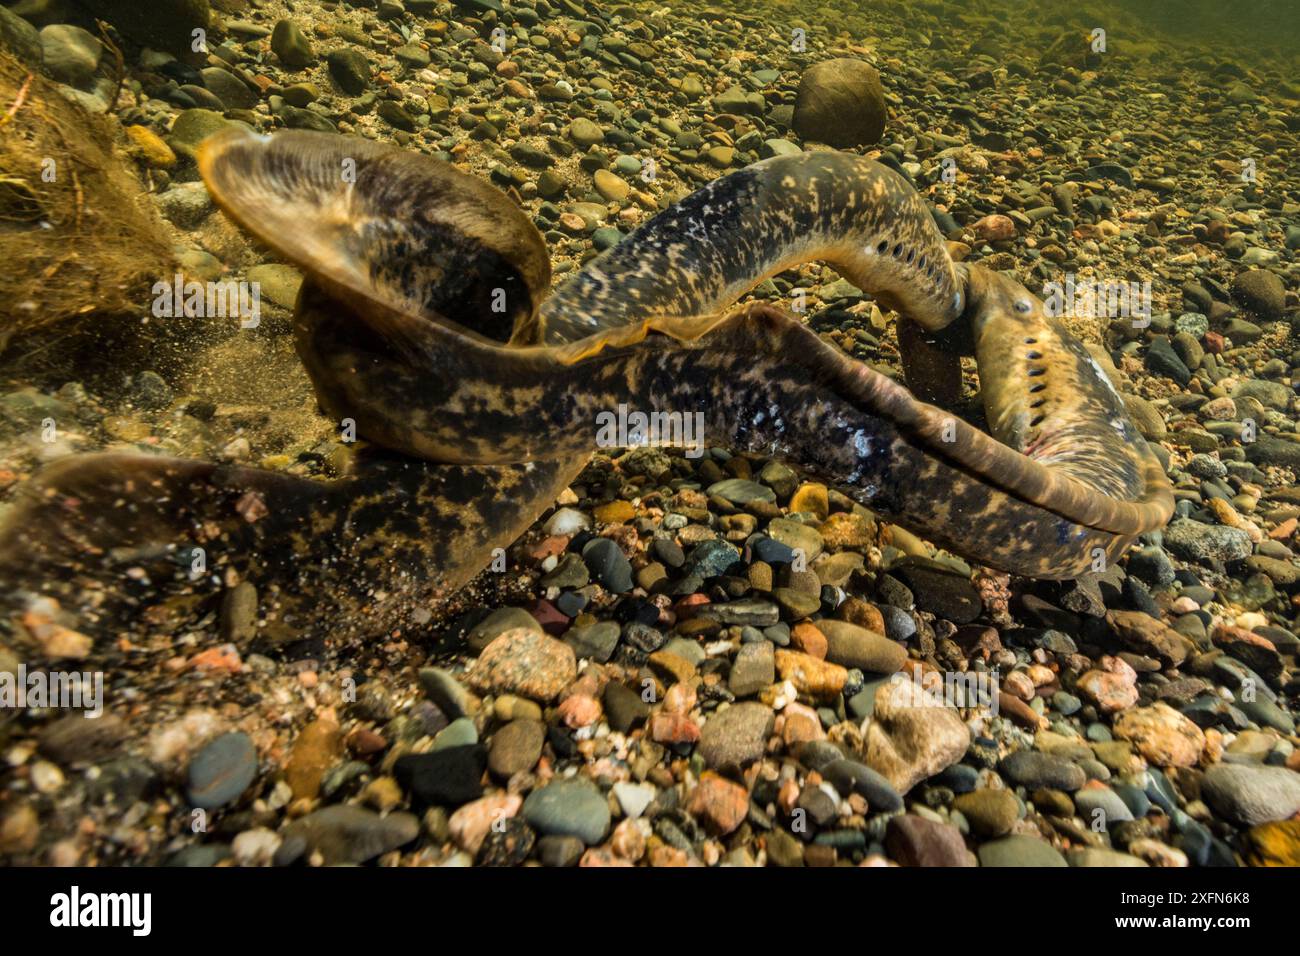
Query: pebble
[[524, 662], [291, 46], [1195, 541], [594, 641], [1260, 291], [899, 625], [185, 205], [1029, 768], [753, 670], [816, 679], [742, 492], [910, 738], [459, 733], [1101, 806], [450, 776], [916, 841], [585, 133], [567, 521], [994, 229], [572, 807], [314, 751], [509, 843], [849, 776], [1162, 735], [798, 537], [1019, 851], [498, 622], [633, 798], [441, 687], [470, 825], [1274, 844], [991, 812], [1113, 689], [854, 646], [221, 771], [559, 851], [939, 590], [192, 127], [75, 739], [1251, 795], [610, 186], [719, 803], [152, 150], [277, 283], [233, 92], [350, 70], [736, 737], [70, 54], [608, 565], [256, 847], [344, 835]]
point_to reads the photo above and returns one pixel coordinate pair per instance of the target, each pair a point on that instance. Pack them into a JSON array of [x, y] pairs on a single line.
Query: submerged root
[[78, 236]]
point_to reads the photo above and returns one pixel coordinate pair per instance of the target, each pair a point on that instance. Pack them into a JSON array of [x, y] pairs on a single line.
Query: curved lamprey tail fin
[[125, 543]]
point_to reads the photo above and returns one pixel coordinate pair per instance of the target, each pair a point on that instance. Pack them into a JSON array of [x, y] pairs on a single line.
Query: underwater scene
[[700, 433]]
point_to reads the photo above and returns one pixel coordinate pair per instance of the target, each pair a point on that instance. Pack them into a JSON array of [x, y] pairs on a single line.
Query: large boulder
[[840, 103], [165, 24]]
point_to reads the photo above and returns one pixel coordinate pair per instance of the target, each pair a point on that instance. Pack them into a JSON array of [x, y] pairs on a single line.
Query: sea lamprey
[[428, 321]]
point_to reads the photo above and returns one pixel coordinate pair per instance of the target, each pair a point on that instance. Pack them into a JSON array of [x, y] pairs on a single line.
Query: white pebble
[[567, 521], [255, 847]]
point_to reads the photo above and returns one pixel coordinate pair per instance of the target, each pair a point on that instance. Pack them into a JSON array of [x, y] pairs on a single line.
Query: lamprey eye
[[1022, 306]]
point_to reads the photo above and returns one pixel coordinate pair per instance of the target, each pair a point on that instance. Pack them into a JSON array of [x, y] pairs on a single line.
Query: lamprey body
[[426, 319]]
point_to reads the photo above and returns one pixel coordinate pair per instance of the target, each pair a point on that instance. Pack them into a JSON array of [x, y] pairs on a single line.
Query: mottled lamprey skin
[[764, 383], [424, 318], [700, 255]]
